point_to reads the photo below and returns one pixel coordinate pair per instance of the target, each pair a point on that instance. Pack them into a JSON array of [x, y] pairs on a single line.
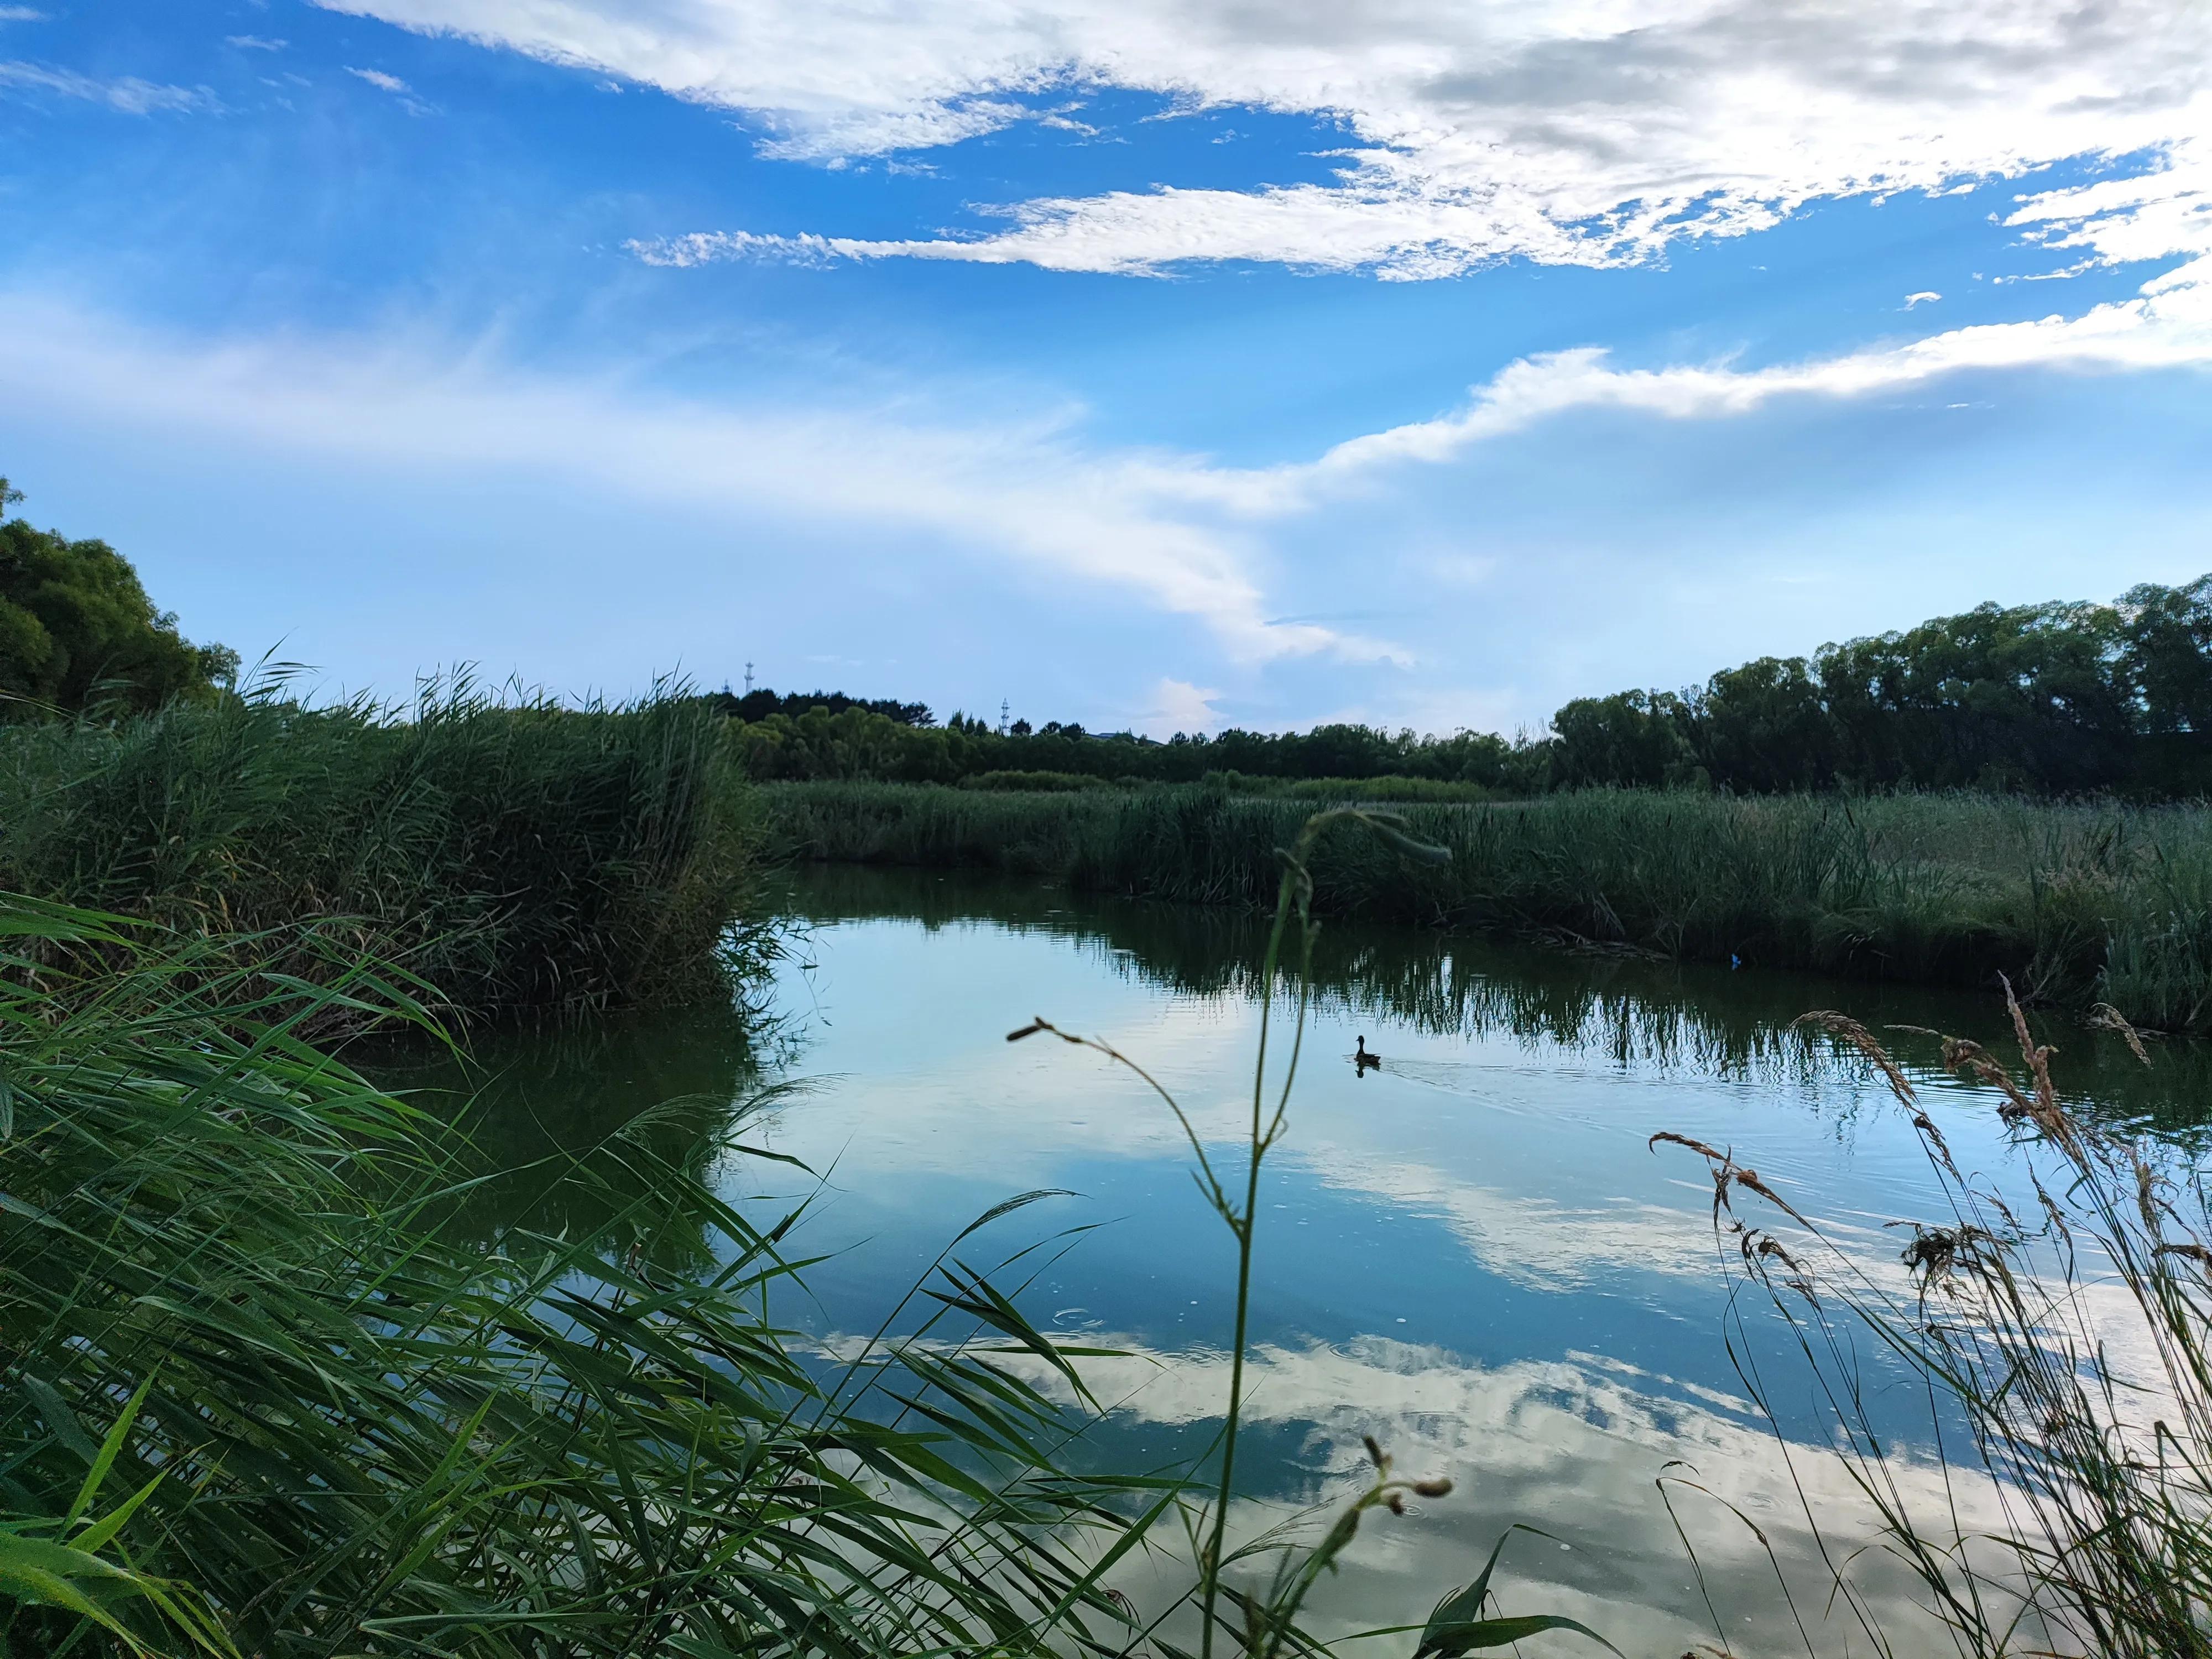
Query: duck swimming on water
[[1362, 1057]]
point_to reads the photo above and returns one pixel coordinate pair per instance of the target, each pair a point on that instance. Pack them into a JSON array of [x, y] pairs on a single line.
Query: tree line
[[2059, 698], [2066, 698], [2054, 699]]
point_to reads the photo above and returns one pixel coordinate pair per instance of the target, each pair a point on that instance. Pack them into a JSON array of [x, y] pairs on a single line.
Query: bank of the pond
[[515, 853], [2077, 903]]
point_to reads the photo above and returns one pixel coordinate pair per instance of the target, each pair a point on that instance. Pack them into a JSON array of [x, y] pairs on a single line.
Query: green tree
[[1633, 739], [1764, 727], [77, 629], [2032, 695], [2167, 650], [2168, 634]]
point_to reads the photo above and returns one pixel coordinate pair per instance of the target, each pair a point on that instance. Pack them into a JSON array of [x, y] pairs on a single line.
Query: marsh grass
[[517, 855], [2072, 1339], [258, 1403], [2079, 904]]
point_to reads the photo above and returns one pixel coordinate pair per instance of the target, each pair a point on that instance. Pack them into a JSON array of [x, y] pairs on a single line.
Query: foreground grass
[[517, 855], [256, 1403], [2079, 904]]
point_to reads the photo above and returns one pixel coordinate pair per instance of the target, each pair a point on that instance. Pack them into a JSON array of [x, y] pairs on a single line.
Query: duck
[[1362, 1057]]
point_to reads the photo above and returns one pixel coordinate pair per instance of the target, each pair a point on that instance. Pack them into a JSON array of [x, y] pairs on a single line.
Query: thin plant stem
[[1242, 1226]]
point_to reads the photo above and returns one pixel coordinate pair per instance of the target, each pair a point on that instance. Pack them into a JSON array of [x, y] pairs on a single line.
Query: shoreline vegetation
[[519, 856], [2079, 905], [2011, 791]]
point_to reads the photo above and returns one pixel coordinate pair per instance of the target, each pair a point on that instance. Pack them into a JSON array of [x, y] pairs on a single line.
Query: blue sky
[[1165, 365]]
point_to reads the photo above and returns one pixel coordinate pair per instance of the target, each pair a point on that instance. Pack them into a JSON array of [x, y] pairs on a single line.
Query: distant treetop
[[760, 704], [78, 633], [2056, 699]]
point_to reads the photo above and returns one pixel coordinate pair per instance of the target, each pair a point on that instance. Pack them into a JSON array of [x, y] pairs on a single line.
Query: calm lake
[[1471, 1254]]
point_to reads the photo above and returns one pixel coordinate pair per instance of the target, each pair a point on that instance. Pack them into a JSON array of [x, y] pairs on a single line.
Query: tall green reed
[[343, 1431], [1268, 1619], [519, 854]]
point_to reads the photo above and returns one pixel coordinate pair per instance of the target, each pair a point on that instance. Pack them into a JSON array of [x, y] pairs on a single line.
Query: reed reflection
[[1615, 1008]]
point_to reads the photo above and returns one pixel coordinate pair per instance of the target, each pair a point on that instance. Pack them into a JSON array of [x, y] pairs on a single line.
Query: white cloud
[[21, 14], [398, 88], [1926, 296], [1574, 1445], [254, 43], [2168, 325], [1592, 131], [1182, 706], [128, 95], [1027, 494]]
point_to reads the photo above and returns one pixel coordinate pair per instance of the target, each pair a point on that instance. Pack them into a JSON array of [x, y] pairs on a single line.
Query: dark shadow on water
[[572, 1123]]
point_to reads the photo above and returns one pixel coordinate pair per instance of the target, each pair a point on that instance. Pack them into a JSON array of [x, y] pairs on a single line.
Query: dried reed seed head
[[1768, 1246], [1439, 1487], [2106, 1017], [1750, 1178], [2147, 1195], [1698, 1146], [1397, 1504], [1375, 1451], [1849, 1031]]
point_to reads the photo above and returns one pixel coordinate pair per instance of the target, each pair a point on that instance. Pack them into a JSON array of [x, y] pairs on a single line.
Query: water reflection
[[538, 1108], [1472, 1254], [1576, 1447], [1624, 1010]]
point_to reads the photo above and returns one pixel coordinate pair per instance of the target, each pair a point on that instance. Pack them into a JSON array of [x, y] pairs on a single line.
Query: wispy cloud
[[1566, 134], [398, 88], [1027, 495], [128, 95], [21, 14], [2168, 325], [254, 43], [379, 79], [1181, 535]]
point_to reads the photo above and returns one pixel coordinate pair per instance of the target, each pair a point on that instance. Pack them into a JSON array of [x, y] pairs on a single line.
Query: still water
[[1471, 1254]]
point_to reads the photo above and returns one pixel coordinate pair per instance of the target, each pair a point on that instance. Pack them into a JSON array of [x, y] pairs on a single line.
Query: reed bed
[[2079, 904], [515, 853]]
